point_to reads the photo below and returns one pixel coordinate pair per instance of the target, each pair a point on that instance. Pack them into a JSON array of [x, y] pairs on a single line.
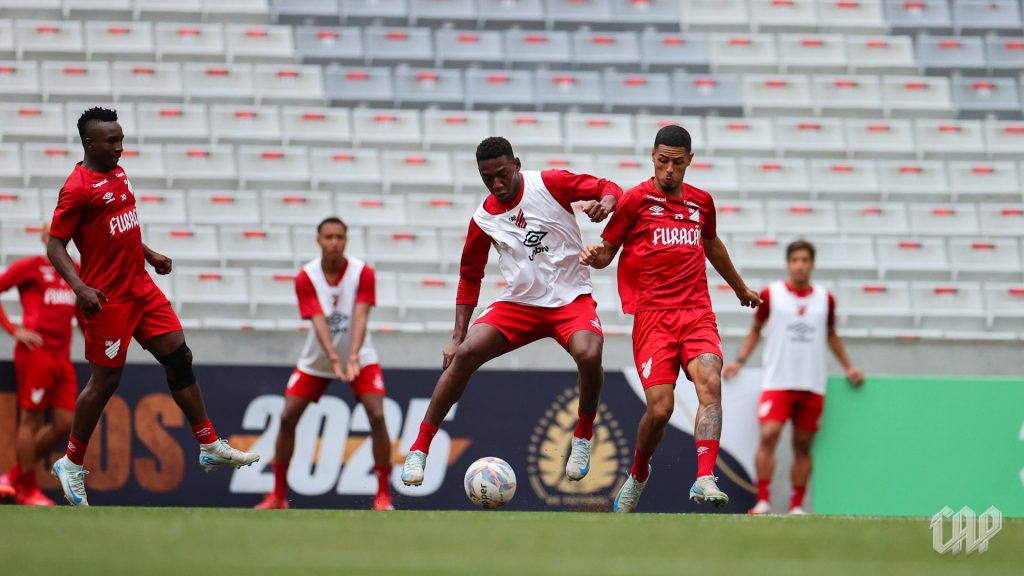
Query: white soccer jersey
[[539, 244], [337, 304], [795, 338]]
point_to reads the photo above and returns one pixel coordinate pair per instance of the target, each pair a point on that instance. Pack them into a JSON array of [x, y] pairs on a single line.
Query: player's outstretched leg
[[483, 343], [660, 404], [706, 372], [586, 349]]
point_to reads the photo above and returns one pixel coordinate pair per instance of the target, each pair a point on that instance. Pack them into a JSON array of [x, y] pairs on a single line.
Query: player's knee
[[589, 355], [290, 419], [769, 438], [467, 357], [376, 418], [659, 413], [178, 366], [802, 446]]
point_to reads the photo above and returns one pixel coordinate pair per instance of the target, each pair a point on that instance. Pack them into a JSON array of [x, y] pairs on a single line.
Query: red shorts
[[804, 406], [108, 333], [44, 379], [523, 324], [666, 340], [302, 385]]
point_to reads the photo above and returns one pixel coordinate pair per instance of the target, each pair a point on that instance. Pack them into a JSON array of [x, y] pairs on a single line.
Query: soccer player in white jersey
[[528, 217], [335, 293], [798, 317]]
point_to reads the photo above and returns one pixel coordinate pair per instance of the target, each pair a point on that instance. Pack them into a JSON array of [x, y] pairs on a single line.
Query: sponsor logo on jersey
[[800, 332], [534, 239], [124, 222], [59, 297], [101, 183], [657, 198], [337, 323], [691, 204], [676, 237]]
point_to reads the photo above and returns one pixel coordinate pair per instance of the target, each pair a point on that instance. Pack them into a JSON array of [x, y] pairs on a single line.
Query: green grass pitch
[[226, 542]]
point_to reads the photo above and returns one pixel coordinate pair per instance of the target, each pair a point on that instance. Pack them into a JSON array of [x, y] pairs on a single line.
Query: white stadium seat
[[32, 122], [435, 291], [874, 304], [715, 15], [912, 258], [811, 136], [316, 126], [19, 239], [921, 180], [120, 41], [256, 43], [775, 177], [786, 15], [1005, 305], [985, 259], [218, 82], [843, 257], [171, 10], [943, 219], [984, 180], [626, 171], [428, 87], [183, 242], [411, 245], [288, 84], [148, 82], [1002, 219], [881, 54], [7, 40], [19, 81], [948, 305], [411, 171], [391, 127], [144, 164], [805, 218], [189, 42], [530, 131], [743, 216], [161, 207], [848, 95], [880, 138], [20, 204], [1004, 139], [743, 52], [255, 11], [295, 207], [272, 292], [717, 175], [346, 169], [917, 96], [739, 135], [284, 167], [759, 253], [199, 165], [599, 132], [220, 291], [256, 244], [455, 130], [371, 210], [812, 52], [852, 16], [873, 218], [223, 207], [172, 123], [244, 124], [603, 49], [64, 81], [561, 90], [532, 47], [11, 173], [469, 47], [48, 165], [49, 39], [958, 139], [441, 210], [777, 94]]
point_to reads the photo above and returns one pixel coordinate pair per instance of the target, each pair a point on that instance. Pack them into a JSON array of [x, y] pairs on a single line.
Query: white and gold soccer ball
[[490, 483]]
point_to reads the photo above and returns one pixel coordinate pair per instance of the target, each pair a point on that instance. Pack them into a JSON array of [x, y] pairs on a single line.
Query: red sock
[[763, 490], [76, 450], [707, 453], [798, 497], [585, 425], [281, 481], [28, 481], [641, 462], [424, 438], [205, 434], [383, 474], [15, 473]]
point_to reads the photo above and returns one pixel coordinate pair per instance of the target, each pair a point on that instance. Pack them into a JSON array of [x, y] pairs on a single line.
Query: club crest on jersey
[[519, 219], [534, 239]]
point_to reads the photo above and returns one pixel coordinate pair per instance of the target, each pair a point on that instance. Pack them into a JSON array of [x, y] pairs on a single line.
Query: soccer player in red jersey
[[335, 294], [42, 364], [666, 229], [528, 217], [798, 317], [96, 209]]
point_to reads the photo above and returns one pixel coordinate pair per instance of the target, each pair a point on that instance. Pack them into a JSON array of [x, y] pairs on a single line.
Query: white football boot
[[705, 489], [797, 511], [72, 480], [578, 464], [762, 507], [629, 495], [219, 454], [412, 472]]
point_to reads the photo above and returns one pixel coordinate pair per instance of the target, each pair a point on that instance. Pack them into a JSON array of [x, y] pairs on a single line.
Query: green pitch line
[[227, 542]]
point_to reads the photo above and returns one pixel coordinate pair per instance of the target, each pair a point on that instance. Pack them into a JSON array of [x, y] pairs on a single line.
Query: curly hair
[[94, 114], [494, 147]]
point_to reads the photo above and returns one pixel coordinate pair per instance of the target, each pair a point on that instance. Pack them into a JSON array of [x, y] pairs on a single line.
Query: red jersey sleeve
[[474, 260], [764, 309], [70, 205], [710, 229], [366, 293], [831, 312], [309, 304], [567, 187], [622, 221], [15, 275]]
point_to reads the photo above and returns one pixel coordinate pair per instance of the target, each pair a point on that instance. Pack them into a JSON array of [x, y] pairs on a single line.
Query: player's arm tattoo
[[709, 417]]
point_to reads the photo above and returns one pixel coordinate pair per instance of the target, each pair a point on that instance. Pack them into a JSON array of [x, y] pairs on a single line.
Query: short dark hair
[[494, 147], [331, 220], [673, 135], [94, 114], [799, 245]]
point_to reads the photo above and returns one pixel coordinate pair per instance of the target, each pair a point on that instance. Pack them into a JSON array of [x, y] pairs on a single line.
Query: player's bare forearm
[[323, 336], [162, 264], [463, 314], [835, 344], [57, 252], [360, 320], [749, 343]]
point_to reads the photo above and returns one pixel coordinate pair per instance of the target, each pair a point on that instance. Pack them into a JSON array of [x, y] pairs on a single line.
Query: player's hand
[[339, 369], [748, 298], [449, 353], [591, 255], [352, 367], [856, 377], [162, 264], [90, 300], [28, 338], [598, 211], [731, 370]]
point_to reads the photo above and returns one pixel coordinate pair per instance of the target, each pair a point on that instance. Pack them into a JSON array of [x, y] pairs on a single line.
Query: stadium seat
[[659, 14], [467, 174], [218, 82], [244, 124], [917, 96], [612, 133], [808, 137], [171, 10], [759, 253], [371, 210], [428, 87], [846, 257], [630, 91], [355, 170], [700, 94], [511, 13], [37, 9], [987, 97], [984, 16], [776, 15], [576, 163], [272, 292], [880, 138], [1004, 139], [916, 258], [805, 218], [847, 95], [256, 244], [740, 135], [442, 11], [1002, 219], [119, 41], [665, 51], [48, 165], [530, 130], [881, 54], [430, 291], [7, 45], [253, 43], [412, 171], [715, 15], [172, 123], [323, 45], [529, 48], [272, 166], [718, 175], [295, 207], [19, 81], [985, 259], [32, 122], [386, 45], [358, 85], [20, 204], [19, 239], [874, 304], [201, 165], [161, 207], [223, 207], [742, 52], [189, 42], [145, 165], [11, 173], [741, 216], [852, 16], [775, 177], [504, 89], [148, 82], [222, 292], [767, 95], [411, 245], [943, 219], [984, 180], [324, 12], [946, 54], [455, 130], [919, 15], [1004, 305], [559, 90], [811, 52], [63, 81], [1004, 54], [363, 11], [604, 49], [574, 13], [647, 127], [726, 306], [316, 126], [917, 180], [284, 84], [873, 218], [443, 211], [183, 242], [950, 138], [469, 47], [250, 11], [386, 127], [626, 171], [49, 39]]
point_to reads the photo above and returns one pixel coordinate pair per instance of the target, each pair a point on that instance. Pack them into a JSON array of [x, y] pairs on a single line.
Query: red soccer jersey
[[47, 302], [97, 211], [309, 303], [662, 263]]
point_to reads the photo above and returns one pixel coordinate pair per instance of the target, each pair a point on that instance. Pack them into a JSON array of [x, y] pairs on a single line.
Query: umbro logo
[[108, 197], [657, 210], [702, 450], [113, 347]]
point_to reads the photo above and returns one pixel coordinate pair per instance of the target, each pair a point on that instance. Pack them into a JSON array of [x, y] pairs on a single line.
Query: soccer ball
[[490, 483]]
